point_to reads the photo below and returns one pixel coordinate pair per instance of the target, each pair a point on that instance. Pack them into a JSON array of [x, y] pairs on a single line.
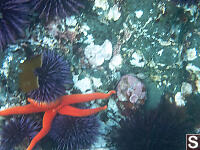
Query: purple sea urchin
[[53, 76], [15, 129], [162, 128], [49, 9], [74, 133], [14, 18]]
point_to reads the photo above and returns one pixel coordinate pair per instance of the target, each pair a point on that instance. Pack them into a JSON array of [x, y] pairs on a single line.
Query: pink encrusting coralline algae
[[131, 93]]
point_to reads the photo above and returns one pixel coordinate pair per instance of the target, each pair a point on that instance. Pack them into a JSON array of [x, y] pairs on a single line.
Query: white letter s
[[193, 140]]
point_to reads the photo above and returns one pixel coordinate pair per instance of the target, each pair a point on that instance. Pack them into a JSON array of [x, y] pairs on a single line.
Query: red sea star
[[61, 106]]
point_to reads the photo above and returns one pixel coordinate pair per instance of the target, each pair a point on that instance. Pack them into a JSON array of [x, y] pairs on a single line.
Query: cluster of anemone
[[163, 128], [14, 18], [53, 76], [15, 129], [74, 133]]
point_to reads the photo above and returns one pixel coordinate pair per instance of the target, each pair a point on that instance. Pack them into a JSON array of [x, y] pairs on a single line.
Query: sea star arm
[[44, 105], [26, 109], [47, 120], [79, 98], [72, 111]]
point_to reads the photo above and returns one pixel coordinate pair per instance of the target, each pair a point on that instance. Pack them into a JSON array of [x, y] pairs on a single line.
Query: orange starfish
[[61, 106]]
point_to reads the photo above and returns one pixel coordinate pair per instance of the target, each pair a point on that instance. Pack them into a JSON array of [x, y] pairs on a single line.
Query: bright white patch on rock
[[48, 41], [191, 54], [112, 106], [115, 62], [193, 69], [186, 88], [5, 66], [5, 107], [160, 52], [92, 53], [107, 49], [97, 82], [179, 99], [84, 84], [90, 39], [114, 13], [139, 13], [103, 4], [84, 28], [137, 59], [96, 54], [71, 21]]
